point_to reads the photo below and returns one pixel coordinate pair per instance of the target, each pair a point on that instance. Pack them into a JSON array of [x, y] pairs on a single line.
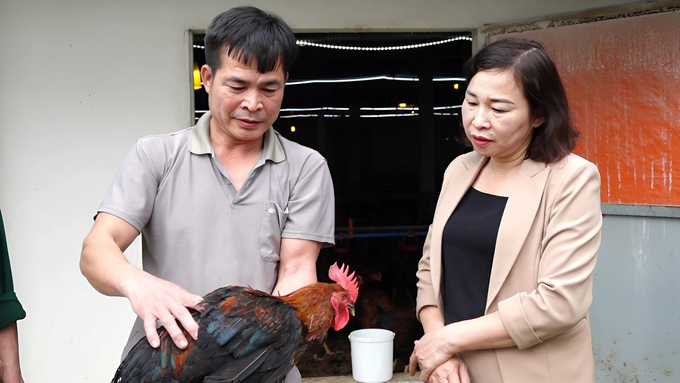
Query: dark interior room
[[383, 109]]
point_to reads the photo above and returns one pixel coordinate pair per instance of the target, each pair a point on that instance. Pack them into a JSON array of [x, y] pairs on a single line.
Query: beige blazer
[[542, 273]]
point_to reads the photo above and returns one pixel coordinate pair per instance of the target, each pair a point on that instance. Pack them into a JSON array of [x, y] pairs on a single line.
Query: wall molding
[[655, 211], [582, 17]]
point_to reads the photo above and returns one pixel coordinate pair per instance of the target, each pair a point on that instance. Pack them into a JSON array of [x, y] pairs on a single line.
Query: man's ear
[[206, 77]]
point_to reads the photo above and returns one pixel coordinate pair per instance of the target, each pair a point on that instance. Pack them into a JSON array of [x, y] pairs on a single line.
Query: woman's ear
[[537, 121]]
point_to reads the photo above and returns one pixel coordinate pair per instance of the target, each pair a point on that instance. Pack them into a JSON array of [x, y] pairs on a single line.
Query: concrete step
[[402, 377]]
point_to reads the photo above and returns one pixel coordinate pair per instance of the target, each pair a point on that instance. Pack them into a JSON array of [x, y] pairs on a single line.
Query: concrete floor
[[403, 377]]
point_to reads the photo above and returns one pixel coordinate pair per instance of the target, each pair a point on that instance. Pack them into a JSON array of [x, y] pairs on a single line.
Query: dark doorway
[[387, 121]]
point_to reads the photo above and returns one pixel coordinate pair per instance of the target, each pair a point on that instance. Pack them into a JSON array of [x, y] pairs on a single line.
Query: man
[[227, 202]]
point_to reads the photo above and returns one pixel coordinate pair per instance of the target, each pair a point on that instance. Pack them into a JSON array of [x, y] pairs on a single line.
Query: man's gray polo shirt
[[197, 230]]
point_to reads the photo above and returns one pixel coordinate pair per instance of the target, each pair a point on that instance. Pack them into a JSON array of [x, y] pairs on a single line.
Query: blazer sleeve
[[426, 295], [565, 272]]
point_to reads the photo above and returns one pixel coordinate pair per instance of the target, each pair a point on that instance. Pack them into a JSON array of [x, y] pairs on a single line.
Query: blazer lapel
[[518, 217], [457, 185]]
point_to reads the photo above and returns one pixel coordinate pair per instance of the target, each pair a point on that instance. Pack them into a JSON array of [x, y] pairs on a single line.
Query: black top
[[468, 244]]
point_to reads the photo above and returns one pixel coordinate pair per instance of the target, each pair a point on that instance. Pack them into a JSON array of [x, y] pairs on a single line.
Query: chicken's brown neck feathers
[[314, 308]]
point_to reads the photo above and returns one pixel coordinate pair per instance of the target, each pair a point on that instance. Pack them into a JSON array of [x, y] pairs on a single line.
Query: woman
[[505, 281]]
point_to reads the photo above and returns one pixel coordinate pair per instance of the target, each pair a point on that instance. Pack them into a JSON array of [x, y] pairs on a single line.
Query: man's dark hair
[[248, 33], [537, 77]]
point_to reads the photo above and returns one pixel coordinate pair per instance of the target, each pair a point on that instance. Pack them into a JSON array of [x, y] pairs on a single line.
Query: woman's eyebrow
[[503, 100]]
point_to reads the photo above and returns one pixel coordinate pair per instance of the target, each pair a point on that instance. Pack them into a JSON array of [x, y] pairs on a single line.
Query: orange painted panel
[[623, 82]]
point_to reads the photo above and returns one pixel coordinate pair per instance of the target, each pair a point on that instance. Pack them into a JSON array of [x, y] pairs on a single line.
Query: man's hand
[[453, 370], [153, 298], [103, 263]]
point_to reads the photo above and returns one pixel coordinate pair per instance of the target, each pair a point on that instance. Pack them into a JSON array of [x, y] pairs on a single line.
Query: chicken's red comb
[[348, 282]]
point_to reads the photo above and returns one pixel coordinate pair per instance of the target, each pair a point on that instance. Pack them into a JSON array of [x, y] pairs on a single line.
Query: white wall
[[80, 81]]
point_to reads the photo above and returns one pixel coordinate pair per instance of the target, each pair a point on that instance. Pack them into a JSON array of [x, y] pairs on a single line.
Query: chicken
[[372, 299], [247, 335]]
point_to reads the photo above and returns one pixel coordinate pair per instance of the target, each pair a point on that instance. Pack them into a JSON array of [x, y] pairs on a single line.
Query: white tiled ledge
[[402, 377]]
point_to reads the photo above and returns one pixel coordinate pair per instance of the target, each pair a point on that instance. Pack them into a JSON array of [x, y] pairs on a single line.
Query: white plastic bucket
[[371, 355]]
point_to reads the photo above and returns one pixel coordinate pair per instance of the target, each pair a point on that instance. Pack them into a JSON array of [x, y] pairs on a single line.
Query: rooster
[[246, 335]]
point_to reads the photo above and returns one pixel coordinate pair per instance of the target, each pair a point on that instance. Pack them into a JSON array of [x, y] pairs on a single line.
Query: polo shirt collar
[[272, 146], [199, 141]]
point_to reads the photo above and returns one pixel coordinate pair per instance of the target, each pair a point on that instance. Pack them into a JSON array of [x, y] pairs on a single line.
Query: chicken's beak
[[350, 307]]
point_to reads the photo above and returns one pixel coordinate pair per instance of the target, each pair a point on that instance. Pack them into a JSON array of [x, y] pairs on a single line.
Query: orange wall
[[623, 82]]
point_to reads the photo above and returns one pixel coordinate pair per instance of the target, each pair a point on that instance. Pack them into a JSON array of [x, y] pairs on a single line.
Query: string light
[[448, 79], [299, 115], [380, 108], [388, 115], [371, 78], [313, 115], [409, 107], [351, 79], [360, 79], [413, 113], [303, 43], [311, 109], [391, 108]]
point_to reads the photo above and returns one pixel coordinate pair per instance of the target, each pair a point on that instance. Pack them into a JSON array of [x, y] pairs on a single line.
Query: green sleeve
[[10, 308]]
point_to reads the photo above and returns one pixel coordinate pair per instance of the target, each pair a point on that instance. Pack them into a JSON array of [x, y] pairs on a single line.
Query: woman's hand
[[453, 370], [431, 351]]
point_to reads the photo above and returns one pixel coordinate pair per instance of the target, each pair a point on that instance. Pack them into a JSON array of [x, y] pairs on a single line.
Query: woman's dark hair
[[539, 81], [249, 33]]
